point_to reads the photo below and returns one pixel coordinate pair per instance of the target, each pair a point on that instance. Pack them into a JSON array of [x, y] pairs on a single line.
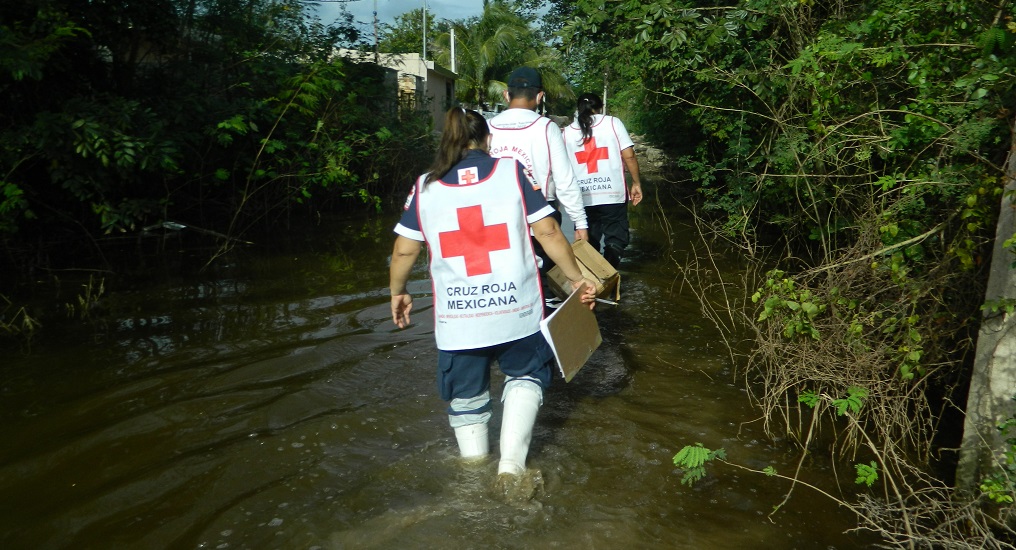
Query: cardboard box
[[573, 334], [593, 266]]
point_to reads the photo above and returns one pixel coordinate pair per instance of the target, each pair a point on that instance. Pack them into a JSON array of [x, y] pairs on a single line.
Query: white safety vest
[[536, 143], [486, 283], [525, 141], [597, 162]]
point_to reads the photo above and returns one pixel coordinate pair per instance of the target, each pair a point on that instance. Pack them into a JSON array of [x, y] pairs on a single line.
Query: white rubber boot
[[473, 440], [521, 402]]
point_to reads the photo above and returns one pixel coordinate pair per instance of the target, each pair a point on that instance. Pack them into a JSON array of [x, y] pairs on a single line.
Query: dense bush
[[863, 144], [227, 116]]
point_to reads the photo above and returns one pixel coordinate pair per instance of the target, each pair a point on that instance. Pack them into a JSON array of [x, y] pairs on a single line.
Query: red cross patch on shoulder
[[468, 175]]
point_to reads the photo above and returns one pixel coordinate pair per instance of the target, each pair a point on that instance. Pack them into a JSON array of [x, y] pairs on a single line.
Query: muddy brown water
[[272, 404]]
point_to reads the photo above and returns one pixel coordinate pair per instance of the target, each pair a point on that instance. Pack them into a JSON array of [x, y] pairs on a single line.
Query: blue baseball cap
[[525, 77]]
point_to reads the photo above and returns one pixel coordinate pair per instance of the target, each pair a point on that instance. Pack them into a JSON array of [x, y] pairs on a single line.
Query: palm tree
[[488, 48]]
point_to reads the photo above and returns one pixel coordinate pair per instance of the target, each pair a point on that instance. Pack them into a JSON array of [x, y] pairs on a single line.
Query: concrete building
[[421, 84]]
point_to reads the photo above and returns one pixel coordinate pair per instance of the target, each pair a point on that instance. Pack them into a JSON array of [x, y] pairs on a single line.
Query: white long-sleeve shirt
[[536, 142]]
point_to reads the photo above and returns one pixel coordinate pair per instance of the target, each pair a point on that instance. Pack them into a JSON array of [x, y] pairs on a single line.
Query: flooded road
[[273, 404]]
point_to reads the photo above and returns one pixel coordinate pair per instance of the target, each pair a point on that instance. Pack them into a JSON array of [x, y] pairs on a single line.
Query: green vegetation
[[405, 35], [1000, 486], [123, 115], [489, 47], [906, 514], [225, 119], [16, 321], [855, 153], [693, 458]]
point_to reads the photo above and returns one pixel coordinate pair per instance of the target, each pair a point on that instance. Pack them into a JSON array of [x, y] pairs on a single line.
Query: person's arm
[[566, 187], [627, 147], [549, 235], [404, 255], [632, 164]]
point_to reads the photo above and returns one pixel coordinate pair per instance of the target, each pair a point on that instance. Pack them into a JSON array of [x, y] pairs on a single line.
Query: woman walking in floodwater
[[475, 213], [600, 150]]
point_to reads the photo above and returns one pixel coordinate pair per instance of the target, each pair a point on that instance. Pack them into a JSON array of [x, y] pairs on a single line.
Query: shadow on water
[[274, 405]]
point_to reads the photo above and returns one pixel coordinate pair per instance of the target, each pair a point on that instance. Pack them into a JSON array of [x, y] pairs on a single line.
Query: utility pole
[[377, 58], [453, 49], [424, 30], [604, 92]]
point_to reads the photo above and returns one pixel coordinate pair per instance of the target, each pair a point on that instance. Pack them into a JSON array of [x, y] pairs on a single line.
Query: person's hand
[[589, 293], [402, 304], [636, 194], [581, 234]]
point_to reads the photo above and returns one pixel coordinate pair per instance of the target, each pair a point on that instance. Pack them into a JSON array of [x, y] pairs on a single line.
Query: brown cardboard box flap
[[594, 266]]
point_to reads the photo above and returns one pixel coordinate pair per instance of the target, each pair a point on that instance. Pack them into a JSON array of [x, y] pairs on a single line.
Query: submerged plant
[[88, 300], [693, 458], [19, 322]]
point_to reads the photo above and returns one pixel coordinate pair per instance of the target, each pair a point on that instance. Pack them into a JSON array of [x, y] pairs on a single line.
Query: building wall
[[426, 85], [439, 99]]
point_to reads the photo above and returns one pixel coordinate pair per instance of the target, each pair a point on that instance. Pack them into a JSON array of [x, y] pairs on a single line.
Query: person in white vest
[[535, 141], [475, 213], [600, 149]]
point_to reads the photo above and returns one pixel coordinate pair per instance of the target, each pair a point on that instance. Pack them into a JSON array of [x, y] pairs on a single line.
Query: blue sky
[[363, 10]]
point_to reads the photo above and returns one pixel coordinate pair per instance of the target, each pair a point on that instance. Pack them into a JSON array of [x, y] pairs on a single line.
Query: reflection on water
[[274, 405]]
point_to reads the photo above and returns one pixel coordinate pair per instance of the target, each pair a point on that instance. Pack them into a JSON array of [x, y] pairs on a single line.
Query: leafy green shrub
[[1000, 487], [784, 303]]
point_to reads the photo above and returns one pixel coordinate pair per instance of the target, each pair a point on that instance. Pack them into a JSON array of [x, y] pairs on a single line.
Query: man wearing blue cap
[[535, 141]]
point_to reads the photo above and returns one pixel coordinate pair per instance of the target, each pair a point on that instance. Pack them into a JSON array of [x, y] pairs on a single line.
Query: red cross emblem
[[591, 155], [474, 241], [468, 175]]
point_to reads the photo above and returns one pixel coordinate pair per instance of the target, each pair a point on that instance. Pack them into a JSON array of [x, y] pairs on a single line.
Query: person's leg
[[593, 217], [464, 381], [527, 364], [614, 218]]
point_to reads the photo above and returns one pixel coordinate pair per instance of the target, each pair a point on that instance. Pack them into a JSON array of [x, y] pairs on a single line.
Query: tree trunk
[[993, 382]]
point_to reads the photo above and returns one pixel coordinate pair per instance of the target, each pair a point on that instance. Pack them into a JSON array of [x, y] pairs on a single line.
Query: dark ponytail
[[463, 130], [587, 104]]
